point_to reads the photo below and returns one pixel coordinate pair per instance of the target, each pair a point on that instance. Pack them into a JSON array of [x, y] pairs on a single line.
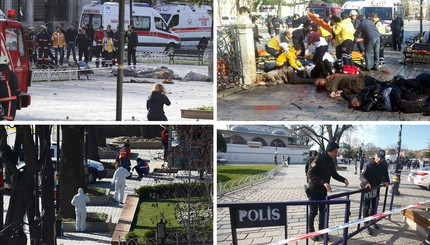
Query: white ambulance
[[152, 30], [193, 24], [347, 7], [385, 10]]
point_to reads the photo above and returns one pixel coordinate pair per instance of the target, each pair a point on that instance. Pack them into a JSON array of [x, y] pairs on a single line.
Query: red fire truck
[[13, 45], [324, 10]]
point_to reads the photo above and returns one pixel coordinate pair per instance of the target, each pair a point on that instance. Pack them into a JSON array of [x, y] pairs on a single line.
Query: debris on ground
[[193, 76]]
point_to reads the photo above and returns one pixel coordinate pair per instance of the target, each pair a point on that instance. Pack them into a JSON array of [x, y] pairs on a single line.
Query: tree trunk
[[72, 173], [23, 182], [93, 149], [101, 136], [48, 219]]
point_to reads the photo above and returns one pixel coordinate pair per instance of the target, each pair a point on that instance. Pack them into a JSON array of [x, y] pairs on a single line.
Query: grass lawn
[[226, 173], [148, 214]]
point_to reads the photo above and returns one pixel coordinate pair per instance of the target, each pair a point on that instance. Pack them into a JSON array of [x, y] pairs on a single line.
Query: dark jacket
[[368, 31], [277, 22], [298, 34], [397, 24], [43, 40], [132, 40], [350, 84], [9, 87], [83, 41], [374, 174], [155, 104], [71, 35], [256, 34], [321, 171]]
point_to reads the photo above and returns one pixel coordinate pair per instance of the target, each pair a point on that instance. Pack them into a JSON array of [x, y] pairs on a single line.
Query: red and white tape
[[343, 226]]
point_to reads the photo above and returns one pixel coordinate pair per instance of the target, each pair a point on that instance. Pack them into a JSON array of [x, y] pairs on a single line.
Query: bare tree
[[322, 134]]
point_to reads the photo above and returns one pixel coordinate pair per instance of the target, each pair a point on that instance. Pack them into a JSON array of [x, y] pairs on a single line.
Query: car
[[95, 171], [420, 177]]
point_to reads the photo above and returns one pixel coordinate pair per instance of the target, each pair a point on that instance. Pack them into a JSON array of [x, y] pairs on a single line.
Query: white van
[[152, 30], [193, 24]]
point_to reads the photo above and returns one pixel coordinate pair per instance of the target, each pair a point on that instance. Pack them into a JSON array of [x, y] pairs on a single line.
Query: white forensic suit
[[80, 202], [119, 177]]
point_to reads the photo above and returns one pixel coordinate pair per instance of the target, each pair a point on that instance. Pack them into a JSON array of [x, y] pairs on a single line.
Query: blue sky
[[414, 137]]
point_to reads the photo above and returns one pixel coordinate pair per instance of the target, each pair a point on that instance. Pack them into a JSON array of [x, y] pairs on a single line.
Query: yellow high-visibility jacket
[[109, 44], [344, 30]]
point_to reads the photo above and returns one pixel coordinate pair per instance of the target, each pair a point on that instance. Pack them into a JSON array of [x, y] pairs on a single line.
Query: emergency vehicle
[[324, 10], [347, 7], [152, 31], [385, 10], [13, 44], [192, 24]]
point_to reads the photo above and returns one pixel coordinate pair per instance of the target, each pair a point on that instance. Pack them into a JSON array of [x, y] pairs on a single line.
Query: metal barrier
[[236, 184], [54, 74], [365, 195], [203, 237], [162, 57], [246, 215], [229, 59]]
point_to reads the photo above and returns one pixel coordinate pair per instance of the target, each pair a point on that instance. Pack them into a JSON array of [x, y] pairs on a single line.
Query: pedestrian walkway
[[288, 186], [114, 209]]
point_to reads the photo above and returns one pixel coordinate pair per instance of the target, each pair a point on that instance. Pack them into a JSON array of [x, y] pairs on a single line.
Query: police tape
[[343, 226]]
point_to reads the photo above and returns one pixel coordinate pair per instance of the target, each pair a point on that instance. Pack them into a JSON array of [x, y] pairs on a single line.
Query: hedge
[[176, 190]]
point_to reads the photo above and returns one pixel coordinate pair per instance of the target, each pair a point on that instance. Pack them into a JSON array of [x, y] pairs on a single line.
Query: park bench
[[181, 53], [417, 52]]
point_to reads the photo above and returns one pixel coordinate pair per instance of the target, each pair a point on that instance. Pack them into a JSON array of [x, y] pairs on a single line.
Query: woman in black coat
[[155, 103]]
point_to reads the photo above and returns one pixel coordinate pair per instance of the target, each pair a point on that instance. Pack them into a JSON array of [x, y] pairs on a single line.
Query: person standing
[[90, 34], [269, 25], [374, 172], [156, 102], [396, 28], [80, 201], [98, 37], [344, 31], [58, 43], [71, 35], [321, 47], [132, 45], [108, 47], [124, 155], [83, 42], [383, 38], [356, 23], [43, 43], [119, 181], [277, 23], [371, 41], [298, 34], [30, 38], [319, 174], [165, 142], [9, 89], [255, 21]]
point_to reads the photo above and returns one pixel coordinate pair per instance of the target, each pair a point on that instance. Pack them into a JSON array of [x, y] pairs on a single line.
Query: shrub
[[176, 190]]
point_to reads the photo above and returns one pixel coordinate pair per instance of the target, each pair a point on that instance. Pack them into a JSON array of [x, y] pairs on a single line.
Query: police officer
[[9, 90], [319, 175], [374, 172], [277, 23]]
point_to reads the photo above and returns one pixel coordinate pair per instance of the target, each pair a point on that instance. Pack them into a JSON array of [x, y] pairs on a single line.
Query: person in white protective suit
[[119, 176], [80, 202]]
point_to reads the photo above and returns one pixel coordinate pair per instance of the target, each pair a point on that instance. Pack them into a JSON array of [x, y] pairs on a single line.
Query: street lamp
[[397, 172], [276, 154]]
